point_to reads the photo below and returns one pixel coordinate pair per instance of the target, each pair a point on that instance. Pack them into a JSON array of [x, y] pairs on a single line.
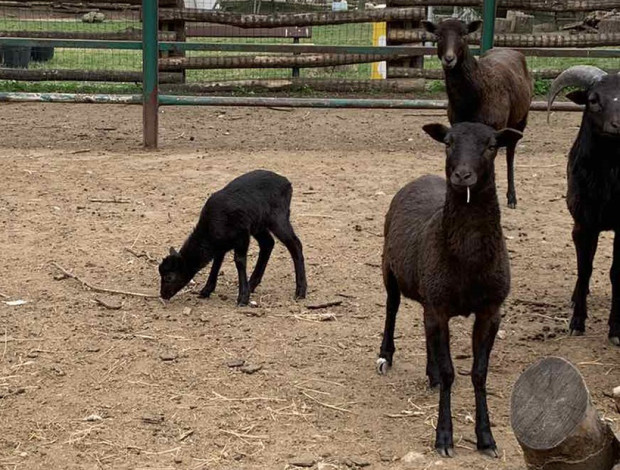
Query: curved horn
[[582, 76]]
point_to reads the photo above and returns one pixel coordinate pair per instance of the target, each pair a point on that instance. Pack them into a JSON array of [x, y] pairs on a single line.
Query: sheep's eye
[[492, 147]]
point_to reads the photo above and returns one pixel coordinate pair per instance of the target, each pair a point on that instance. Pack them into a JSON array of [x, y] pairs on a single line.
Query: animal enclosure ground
[[136, 383]]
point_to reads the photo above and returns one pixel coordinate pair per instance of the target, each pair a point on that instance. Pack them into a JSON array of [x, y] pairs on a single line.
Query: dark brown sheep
[[495, 90], [444, 248]]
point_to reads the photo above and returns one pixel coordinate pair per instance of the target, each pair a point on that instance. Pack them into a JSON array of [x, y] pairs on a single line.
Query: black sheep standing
[[255, 204], [593, 173]]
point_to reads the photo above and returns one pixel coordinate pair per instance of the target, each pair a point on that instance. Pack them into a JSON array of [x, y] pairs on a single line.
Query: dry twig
[[114, 200], [102, 289], [143, 254], [222, 397], [333, 303], [326, 405], [243, 436]]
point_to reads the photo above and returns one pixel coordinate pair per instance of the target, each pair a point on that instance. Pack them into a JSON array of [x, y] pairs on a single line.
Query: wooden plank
[[293, 19], [437, 74], [518, 40], [39, 75], [316, 84], [213, 30], [523, 5], [267, 61], [128, 35]]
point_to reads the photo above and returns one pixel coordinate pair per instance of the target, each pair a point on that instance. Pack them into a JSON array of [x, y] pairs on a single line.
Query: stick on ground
[[102, 289], [333, 303], [326, 405]]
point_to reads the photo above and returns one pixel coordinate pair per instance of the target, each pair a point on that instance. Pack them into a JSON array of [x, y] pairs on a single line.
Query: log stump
[[555, 422]]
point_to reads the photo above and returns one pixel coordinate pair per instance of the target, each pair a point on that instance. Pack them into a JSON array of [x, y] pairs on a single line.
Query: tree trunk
[[555, 422]]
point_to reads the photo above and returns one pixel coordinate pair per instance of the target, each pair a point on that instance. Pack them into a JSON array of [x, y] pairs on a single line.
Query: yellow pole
[[379, 33]]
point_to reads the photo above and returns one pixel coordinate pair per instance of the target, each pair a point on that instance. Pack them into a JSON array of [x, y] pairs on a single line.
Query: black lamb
[[444, 248], [495, 90], [593, 173], [255, 204]]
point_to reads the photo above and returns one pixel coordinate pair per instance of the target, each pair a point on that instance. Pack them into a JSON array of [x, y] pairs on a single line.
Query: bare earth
[[149, 385]]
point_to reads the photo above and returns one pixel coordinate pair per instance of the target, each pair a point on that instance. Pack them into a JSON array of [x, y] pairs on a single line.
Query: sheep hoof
[[512, 205], [490, 452], [576, 332], [615, 340], [382, 366], [446, 452]]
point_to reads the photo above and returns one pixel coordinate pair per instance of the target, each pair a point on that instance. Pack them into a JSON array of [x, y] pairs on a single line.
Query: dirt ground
[[149, 385]]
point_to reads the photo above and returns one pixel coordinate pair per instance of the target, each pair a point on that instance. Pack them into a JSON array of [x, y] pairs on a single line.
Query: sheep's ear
[[473, 26], [429, 26], [507, 136], [437, 132], [578, 97], [173, 251]]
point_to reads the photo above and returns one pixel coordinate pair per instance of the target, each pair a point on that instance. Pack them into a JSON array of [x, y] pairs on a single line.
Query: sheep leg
[[432, 369], [391, 309], [265, 244], [586, 241], [209, 287], [510, 167], [485, 329], [438, 339], [241, 258], [284, 232], [614, 274]]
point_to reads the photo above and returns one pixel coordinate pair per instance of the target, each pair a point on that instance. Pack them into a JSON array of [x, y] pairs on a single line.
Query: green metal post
[[150, 78], [488, 26]]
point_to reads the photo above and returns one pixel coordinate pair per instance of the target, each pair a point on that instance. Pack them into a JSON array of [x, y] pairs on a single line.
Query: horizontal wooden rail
[[409, 51], [294, 19], [128, 35], [524, 5], [528, 5], [297, 84], [40, 75], [101, 4], [437, 74], [270, 61], [519, 40]]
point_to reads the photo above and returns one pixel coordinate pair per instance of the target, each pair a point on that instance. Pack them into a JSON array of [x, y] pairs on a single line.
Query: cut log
[[555, 422]]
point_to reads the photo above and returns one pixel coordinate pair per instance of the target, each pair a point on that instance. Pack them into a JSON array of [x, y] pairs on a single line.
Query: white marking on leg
[[382, 366], [468, 195]]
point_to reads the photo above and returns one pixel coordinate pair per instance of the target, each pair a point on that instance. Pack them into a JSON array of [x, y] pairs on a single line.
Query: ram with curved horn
[[593, 173]]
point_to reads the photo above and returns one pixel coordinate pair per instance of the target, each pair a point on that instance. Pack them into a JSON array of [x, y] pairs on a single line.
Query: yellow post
[[379, 33]]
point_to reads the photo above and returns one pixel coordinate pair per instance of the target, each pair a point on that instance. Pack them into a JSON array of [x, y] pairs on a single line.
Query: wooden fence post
[[150, 74]]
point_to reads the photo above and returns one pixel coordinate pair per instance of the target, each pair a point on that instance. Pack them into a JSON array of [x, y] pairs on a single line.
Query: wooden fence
[[402, 18]]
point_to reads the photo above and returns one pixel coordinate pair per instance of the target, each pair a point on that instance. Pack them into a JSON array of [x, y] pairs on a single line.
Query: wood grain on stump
[[554, 421]]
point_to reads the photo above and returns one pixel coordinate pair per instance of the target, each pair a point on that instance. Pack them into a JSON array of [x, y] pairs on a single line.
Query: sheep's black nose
[[615, 124], [463, 175], [449, 59]]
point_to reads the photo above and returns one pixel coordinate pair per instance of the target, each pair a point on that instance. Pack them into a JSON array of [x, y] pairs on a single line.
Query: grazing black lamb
[[255, 204], [593, 172], [495, 90], [444, 248]]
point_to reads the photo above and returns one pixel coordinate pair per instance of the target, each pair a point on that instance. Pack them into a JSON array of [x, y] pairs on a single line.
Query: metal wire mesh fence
[[53, 20], [261, 22]]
